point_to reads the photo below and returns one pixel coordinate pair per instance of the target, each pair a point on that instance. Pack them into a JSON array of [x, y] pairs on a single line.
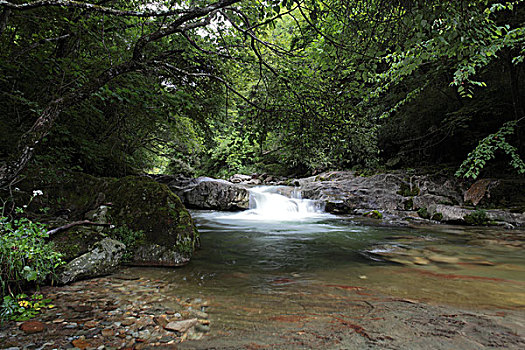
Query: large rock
[[137, 203], [454, 214], [208, 193], [345, 192], [170, 236], [104, 258]]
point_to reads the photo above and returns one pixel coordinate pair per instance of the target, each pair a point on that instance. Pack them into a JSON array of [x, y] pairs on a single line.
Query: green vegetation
[[232, 86], [25, 256], [26, 261], [22, 307], [132, 239], [477, 218], [375, 214], [423, 213]]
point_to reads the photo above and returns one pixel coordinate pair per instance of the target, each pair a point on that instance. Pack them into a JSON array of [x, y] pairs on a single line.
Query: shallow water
[[316, 280], [242, 257]]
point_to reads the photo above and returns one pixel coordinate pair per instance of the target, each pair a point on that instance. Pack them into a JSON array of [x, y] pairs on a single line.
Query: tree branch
[[73, 224], [89, 7]]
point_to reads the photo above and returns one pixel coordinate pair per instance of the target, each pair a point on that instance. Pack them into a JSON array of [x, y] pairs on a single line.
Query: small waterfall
[[279, 203]]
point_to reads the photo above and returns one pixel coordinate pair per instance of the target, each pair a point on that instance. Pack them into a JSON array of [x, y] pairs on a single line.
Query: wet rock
[[345, 192], [238, 178], [161, 320], [81, 344], [103, 259], [207, 193], [216, 194], [181, 326], [443, 259], [199, 314], [420, 261], [202, 328], [108, 332], [31, 327]]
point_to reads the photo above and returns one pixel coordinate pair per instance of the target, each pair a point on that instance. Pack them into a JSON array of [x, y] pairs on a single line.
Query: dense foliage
[[288, 86]]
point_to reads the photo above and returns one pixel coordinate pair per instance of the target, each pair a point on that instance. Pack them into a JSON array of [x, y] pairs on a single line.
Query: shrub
[[25, 257]]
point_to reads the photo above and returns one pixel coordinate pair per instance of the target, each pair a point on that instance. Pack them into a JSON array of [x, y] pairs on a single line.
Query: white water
[[267, 203]]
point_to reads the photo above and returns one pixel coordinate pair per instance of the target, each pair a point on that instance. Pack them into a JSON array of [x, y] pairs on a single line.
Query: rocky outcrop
[[345, 192], [208, 193], [102, 259], [436, 197]]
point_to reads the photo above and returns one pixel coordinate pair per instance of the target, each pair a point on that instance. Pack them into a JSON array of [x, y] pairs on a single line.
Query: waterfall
[[279, 203]]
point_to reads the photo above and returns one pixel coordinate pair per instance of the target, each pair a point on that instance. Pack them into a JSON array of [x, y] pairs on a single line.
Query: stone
[[128, 321], [207, 193], [90, 324], [181, 326], [477, 191], [420, 261], [31, 327], [161, 320], [443, 259], [202, 328], [170, 236], [102, 260], [237, 178], [199, 314], [108, 332], [81, 344]]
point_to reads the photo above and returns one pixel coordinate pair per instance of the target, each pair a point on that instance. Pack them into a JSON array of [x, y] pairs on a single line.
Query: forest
[[117, 115], [293, 87]]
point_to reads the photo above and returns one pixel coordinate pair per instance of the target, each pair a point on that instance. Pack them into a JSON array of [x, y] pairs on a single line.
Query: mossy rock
[[76, 241], [137, 202], [406, 190], [145, 205]]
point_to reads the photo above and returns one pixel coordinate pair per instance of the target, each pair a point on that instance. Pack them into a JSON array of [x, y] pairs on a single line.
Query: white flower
[[37, 193]]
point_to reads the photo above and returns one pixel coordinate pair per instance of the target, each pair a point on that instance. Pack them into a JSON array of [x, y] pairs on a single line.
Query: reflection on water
[[247, 259]]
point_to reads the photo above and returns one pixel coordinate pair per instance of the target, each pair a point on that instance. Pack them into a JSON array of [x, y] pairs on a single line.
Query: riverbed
[[286, 275]]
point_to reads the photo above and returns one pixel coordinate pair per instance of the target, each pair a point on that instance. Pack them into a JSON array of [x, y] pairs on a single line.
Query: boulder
[[208, 193], [346, 192], [137, 203], [170, 236], [103, 259]]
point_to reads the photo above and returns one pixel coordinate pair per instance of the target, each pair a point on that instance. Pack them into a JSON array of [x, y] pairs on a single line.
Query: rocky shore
[[115, 312]]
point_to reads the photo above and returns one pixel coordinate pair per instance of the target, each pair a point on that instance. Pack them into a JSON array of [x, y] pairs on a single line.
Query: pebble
[[31, 327], [181, 326], [71, 325]]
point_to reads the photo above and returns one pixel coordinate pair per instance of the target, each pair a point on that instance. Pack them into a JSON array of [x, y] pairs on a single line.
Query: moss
[[423, 213], [375, 214], [145, 205], [476, 218], [437, 217], [408, 191], [75, 242], [409, 204]]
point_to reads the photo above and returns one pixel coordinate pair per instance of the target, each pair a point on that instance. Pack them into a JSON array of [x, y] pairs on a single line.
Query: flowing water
[[286, 256]]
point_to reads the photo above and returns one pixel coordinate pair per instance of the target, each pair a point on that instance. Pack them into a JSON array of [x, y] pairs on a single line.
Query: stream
[[285, 271], [286, 275]]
